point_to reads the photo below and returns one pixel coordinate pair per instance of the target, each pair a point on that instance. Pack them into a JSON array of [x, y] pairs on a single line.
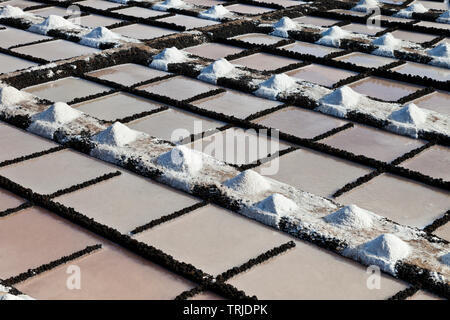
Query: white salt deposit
[[47, 122], [408, 11], [387, 43], [217, 69], [11, 12], [351, 216], [277, 204], [117, 135], [168, 4], [410, 114], [182, 159], [10, 96], [442, 50], [53, 22], [275, 85], [444, 18], [337, 102], [364, 5], [281, 27], [445, 259], [248, 182], [168, 55], [383, 251], [216, 12], [332, 36], [9, 296], [99, 35]]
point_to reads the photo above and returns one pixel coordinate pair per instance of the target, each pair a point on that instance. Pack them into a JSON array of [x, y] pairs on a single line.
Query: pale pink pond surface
[[235, 103], [362, 28], [315, 172], [9, 200], [206, 3], [372, 143], [248, 9], [57, 11], [309, 272], [423, 70], [185, 87], [430, 24], [34, 236], [399, 199], [109, 273], [317, 21], [94, 21], [99, 4], [56, 50], [140, 12], [310, 48], [443, 232], [174, 124], [142, 31], [127, 74], [213, 50], [16, 143], [319, 74], [12, 36], [284, 3], [300, 122], [55, 171], [264, 61], [258, 38], [213, 239], [188, 21], [66, 89], [394, 19], [238, 146], [438, 101], [10, 63], [116, 106], [434, 162], [436, 5], [127, 201], [365, 60], [384, 89], [413, 36], [22, 4]]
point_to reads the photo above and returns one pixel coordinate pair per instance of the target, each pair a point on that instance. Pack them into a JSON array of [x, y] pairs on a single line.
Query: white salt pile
[[408, 11], [58, 112], [410, 114], [445, 259], [282, 26], [47, 122], [11, 12], [216, 70], [384, 251], [99, 35], [275, 85], [364, 5], [182, 159], [387, 43], [277, 204], [168, 55], [332, 36], [9, 296], [444, 18], [216, 12], [168, 4], [351, 216], [339, 101], [10, 96], [117, 135], [442, 50], [407, 120], [53, 22], [248, 182]]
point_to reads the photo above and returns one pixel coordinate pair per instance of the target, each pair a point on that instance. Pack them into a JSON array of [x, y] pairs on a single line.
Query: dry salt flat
[[362, 231]]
